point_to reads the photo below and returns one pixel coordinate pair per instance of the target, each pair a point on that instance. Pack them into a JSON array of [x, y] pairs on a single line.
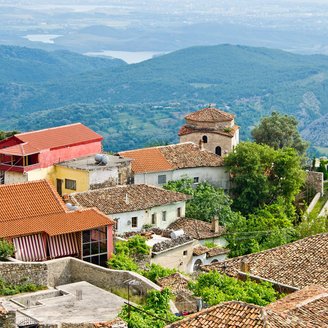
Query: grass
[[11, 289], [321, 202], [123, 292]]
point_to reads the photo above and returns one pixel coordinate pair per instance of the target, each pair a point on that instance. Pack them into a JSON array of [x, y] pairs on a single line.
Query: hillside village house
[[135, 206], [203, 232], [31, 156], [158, 165], [41, 227], [213, 128]]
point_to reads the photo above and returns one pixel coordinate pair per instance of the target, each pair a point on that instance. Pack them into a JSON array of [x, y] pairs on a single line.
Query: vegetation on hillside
[[127, 102], [279, 131]]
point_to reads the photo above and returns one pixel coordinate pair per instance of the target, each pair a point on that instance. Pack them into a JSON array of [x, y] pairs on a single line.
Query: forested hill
[[132, 105], [20, 64]]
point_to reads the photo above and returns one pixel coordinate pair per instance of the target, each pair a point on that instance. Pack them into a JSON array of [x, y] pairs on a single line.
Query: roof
[[210, 114], [307, 312], [229, 314], [128, 198], [299, 264], [34, 207], [20, 150], [30, 199], [197, 229], [186, 129], [210, 252], [171, 157], [55, 224], [176, 282], [57, 137], [303, 296]]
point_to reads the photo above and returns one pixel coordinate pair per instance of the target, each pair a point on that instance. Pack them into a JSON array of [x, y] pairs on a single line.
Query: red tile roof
[[171, 157], [197, 229], [20, 150], [127, 198], [33, 207], [25, 200], [307, 313], [57, 137], [210, 115], [298, 264], [186, 129]]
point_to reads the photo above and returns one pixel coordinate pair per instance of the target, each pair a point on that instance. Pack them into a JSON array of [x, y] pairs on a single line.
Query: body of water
[[44, 38], [130, 57]]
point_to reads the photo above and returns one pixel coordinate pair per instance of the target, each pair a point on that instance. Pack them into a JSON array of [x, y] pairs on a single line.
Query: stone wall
[[16, 273], [7, 318], [315, 180]]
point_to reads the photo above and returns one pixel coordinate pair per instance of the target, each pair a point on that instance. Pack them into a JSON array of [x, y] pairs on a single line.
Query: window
[[70, 184], [134, 222], [179, 212], [196, 179], [218, 150], [162, 179], [153, 218], [116, 223], [185, 253], [204, 139], [94, 246], [164, 216]]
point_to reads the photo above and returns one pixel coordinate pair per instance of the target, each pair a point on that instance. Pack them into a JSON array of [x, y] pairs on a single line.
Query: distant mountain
[[136, 104], [20, 64]]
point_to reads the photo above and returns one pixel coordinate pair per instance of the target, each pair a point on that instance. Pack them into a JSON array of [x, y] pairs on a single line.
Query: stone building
[[212, 128]]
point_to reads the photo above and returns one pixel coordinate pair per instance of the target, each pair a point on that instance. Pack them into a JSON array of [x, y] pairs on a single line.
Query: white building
[[158, 165], [135, 206]]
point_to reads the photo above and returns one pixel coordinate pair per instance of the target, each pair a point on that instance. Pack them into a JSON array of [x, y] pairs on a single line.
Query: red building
[[29, 156], [41, 227]]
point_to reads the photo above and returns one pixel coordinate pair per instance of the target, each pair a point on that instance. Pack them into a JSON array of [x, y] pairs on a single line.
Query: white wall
[[144, 217], [214, 175], [101, 176], [15, 177]]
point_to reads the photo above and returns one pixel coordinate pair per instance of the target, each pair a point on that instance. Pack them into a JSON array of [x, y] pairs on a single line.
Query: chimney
[[245, 266], [215, 224], [201, 144], [127, 199]]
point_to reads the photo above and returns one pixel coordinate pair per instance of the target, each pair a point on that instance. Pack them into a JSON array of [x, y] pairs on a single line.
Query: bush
[[6, 249], [11, 289], [122, 262], [156, 271], [215, 288]]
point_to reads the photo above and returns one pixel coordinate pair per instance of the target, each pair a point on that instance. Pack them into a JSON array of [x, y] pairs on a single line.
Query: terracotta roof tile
[[171, 157], [210, 115], [186, 129], [29, 199], [33, 207], [60, 136], [20, 150], [210, 252], [299, 264], [197, 229], [55, 224], [176, 282], [128, 198], [303, 296]]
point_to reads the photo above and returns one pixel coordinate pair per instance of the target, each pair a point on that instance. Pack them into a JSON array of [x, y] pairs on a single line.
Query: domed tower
[[213, 129]]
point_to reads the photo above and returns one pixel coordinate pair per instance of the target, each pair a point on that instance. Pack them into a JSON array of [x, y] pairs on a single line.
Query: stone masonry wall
[[7, 318], [315, 179], [17, 273]]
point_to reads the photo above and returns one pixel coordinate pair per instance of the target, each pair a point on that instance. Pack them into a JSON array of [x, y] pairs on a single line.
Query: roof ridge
[[46, 129]]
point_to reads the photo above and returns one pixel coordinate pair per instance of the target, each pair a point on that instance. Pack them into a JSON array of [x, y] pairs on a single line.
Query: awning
[[30, 248], [63, 245]]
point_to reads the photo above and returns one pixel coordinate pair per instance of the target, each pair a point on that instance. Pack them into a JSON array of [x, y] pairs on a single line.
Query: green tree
[[156, 271], [207, 201], [150, 315], [279, 131], [6, 249], [215, 288], [261, 174], [6, 134]]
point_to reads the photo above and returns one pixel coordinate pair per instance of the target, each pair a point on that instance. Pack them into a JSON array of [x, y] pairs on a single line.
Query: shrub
[[122, 262], [6, 249], [156, 271]]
